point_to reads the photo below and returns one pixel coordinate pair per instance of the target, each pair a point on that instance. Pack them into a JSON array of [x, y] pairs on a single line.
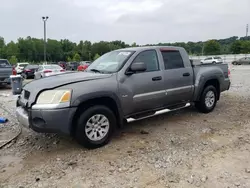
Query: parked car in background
[[83, 65], [212, 60], [48, 70], [124, 85], [20, 66], [62, 64], [29, 71], [6, 69], [72, 66], [242, 61]]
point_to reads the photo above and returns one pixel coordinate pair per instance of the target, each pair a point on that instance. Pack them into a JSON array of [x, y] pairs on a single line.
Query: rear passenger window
[[149, 57], [172, 59]]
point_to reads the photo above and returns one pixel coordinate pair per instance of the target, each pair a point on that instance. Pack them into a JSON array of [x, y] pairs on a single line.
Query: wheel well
[[216, 84], [105, 101]]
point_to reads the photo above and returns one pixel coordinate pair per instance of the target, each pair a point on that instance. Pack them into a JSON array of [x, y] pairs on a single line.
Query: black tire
[[201, 104], [214, 62], [25, 76], [80, 134]]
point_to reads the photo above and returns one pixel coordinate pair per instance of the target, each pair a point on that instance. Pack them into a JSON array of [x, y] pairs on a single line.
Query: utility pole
[[247, 31], [45, 18]]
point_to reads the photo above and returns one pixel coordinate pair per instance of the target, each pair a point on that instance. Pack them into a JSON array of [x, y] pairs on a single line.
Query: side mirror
[[137, 67]]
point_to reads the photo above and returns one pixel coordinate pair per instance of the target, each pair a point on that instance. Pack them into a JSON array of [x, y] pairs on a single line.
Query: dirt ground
[[183, 149]]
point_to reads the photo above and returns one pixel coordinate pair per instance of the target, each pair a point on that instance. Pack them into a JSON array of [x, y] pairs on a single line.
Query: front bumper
[[46, 120]]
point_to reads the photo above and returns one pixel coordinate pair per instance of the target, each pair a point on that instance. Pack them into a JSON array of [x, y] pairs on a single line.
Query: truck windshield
[[110, 62]]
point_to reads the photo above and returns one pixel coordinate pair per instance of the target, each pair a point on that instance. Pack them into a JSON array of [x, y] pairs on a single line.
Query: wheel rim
[[210, 99], [97, 127]]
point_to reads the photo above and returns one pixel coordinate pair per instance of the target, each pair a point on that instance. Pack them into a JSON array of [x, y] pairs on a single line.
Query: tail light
[[62, 70], [14, 71], [47, 71]]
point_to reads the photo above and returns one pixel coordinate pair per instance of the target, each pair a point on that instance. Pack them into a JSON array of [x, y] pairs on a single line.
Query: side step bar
[[129, 120]]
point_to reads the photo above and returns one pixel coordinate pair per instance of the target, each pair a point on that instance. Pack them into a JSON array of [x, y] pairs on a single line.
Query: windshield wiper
[[95, 70]]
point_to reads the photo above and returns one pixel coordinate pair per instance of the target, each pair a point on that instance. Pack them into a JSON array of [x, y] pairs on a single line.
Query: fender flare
[[90, 96]]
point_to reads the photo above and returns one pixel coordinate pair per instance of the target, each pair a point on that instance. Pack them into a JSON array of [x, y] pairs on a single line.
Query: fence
[[228, 58]]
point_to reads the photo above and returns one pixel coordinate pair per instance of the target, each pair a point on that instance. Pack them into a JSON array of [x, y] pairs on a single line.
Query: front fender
[[99, 94]]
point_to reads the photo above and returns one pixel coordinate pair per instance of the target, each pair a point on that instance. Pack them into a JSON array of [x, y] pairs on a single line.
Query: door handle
[[157, 78], [186, 74]]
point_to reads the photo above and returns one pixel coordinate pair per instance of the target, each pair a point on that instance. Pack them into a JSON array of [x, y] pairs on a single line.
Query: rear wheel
[[208, 100], [95, 127]]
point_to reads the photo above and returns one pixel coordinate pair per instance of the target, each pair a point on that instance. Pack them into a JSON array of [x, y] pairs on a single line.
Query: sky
[[140, 21]]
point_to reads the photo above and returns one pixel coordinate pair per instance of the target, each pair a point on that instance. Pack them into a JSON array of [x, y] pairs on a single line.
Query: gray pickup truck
[[5, 71], [121, 86]]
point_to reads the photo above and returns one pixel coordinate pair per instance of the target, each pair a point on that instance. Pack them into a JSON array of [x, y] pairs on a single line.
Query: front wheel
[[95, 127], [208, 100]]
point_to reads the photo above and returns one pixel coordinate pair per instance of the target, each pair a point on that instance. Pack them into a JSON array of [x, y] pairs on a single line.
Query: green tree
[[77, 57], [236, 47], [96, 56], [245, 47], [13, 60], [11, 49], [54, 50], [69, 59], [134, 45], [84, 49], [212, 47], [2, 45]]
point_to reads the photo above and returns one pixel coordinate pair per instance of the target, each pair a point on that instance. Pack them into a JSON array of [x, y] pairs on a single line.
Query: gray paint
[[132, 93], [5, 72]]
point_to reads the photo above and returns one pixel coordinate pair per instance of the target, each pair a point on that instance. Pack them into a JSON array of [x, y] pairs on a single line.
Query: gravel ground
[[180, 149]]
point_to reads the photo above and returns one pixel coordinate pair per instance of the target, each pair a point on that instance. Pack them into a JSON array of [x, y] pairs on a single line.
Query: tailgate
[[5, 72], [5, 69]]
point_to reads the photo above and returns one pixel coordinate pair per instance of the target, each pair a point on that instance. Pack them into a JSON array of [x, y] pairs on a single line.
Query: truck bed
[[205, 70]]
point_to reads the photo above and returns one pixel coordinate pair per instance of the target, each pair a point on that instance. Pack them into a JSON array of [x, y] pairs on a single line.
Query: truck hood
[[62, 79]]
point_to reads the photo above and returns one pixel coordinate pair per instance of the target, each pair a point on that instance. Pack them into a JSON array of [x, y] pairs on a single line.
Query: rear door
[[178, 78]]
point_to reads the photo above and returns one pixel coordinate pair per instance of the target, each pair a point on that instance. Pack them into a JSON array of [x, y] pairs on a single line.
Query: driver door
[[143, 91]]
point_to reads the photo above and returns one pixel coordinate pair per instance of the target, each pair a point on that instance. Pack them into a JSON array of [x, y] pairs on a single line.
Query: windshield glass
[[22, 65], [110, 62], [52, 67]]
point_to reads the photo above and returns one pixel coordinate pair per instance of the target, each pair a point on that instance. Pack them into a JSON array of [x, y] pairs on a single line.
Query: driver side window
[[149, 57]]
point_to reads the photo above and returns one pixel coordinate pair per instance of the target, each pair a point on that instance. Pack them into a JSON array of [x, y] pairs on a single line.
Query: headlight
[[53, 99]]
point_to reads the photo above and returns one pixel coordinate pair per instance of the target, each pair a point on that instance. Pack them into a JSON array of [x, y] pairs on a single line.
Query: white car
[[212, 60], [48, 70], [19, 67]]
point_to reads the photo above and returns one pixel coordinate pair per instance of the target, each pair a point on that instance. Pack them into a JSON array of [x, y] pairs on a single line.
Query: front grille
[[26, 94]]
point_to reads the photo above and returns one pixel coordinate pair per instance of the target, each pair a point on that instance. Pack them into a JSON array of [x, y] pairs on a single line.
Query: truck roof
[[150, 47]]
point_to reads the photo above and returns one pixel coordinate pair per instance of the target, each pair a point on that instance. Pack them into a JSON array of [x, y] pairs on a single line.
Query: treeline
[[32, 49]]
